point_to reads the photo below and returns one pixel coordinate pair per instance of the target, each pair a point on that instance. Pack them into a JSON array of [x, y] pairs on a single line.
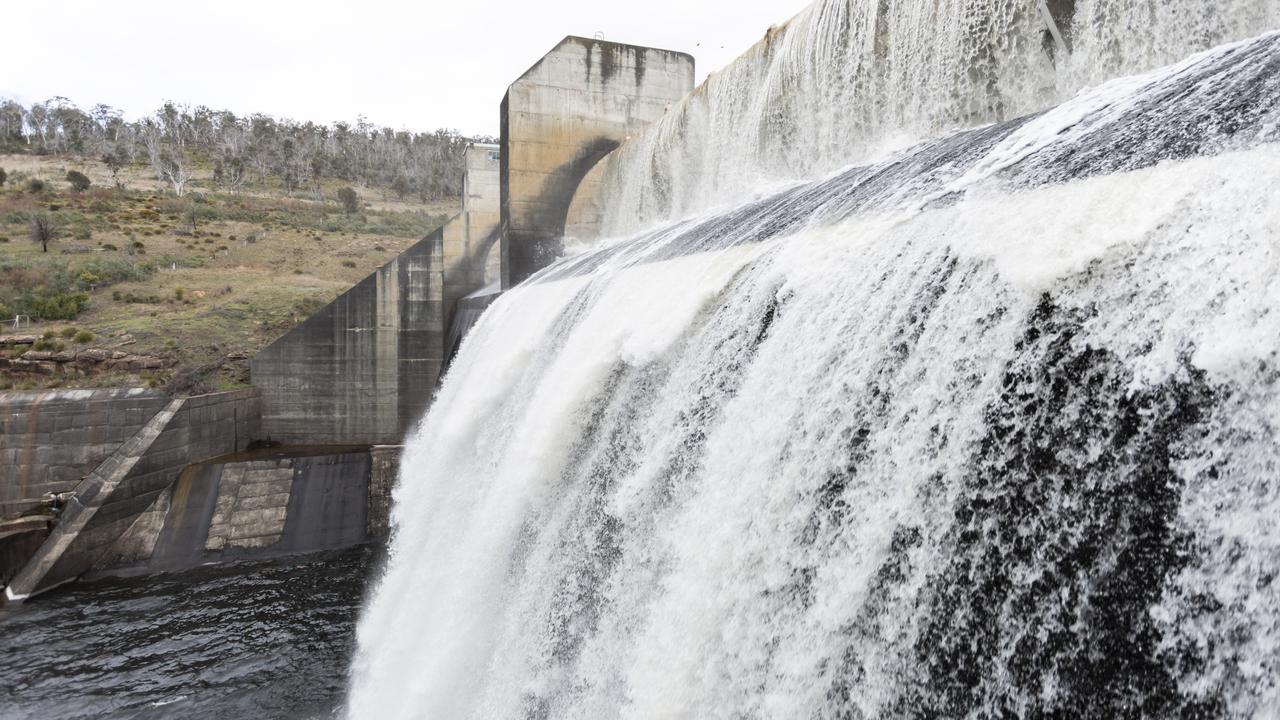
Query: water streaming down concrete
[[847, 81], [985, 428]]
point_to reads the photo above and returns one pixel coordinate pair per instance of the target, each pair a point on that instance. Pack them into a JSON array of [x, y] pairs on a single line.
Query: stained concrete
[[384, 469], [125, 486], [558, 120], [361, 370], [465, 316], [270, 506], [50, 440], [472, 252]]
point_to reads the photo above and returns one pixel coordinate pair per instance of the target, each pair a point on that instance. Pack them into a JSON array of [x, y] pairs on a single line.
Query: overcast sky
[[417, 65]]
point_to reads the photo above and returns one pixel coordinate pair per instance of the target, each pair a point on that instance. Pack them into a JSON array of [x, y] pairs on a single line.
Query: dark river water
[[254, 640]]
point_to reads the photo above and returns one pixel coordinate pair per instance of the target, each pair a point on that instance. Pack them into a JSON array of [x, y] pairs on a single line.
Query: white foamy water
[[848, 78], [987, 428]]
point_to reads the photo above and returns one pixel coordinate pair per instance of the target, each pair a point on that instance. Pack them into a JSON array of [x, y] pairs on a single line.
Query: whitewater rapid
[[985, 428]]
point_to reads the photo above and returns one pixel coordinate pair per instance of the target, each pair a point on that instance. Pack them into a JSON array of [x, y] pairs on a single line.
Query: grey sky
[[417, 65]]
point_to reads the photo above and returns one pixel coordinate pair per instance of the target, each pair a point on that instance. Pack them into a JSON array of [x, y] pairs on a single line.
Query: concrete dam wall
[[852, 81], [271, 504], [150, 495], [141, 476], [50, 440], [107, 501], [576, 105], [364, 369]]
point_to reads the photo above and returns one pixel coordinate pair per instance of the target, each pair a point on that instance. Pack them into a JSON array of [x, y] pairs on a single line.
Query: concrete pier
[[567, 112]]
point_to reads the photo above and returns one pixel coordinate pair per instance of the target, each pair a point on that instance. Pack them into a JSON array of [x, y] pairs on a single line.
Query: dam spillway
[[981, 427], [847, 81]]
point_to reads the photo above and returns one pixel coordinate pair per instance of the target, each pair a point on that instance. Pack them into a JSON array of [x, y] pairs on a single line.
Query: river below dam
[[266, 639]]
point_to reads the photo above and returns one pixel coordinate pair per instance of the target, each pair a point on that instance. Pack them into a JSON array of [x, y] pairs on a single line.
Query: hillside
[[140, 287]]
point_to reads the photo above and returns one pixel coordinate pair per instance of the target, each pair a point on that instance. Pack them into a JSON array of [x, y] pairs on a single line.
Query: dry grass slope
[[194, 285]]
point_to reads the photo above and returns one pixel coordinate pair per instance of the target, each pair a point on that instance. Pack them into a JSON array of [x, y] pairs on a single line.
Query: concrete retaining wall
[[361, 370], [125, 485], [50, 440], [251, 508]]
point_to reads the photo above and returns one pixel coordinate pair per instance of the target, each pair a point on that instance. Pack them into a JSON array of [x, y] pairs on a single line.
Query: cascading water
[[848, 78], [987, 428]]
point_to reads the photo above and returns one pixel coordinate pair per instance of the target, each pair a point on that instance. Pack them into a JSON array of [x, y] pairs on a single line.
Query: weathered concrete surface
[[253, 508], [50, 440], [570, 110], [361, 370], [585, 215], [472, 252], [465, 316], [328, 505], [123, 487], [481, 209], [384, 468]]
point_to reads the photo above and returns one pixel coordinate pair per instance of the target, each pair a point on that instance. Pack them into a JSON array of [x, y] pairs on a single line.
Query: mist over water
[[984, 427]]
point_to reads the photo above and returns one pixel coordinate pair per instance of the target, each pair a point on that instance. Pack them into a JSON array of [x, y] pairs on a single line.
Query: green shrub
[[181, 261], [58, 306], [4, 239], [83, 337], [110, 271], [3, 176], [82, 232], [69, 332], [50, 334], [79, 181], [350, 200], [35, 186], [348, 263], [178, 292]]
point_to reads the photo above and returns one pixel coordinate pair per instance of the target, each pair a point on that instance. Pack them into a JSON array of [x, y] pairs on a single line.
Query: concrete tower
[[567, 112]]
